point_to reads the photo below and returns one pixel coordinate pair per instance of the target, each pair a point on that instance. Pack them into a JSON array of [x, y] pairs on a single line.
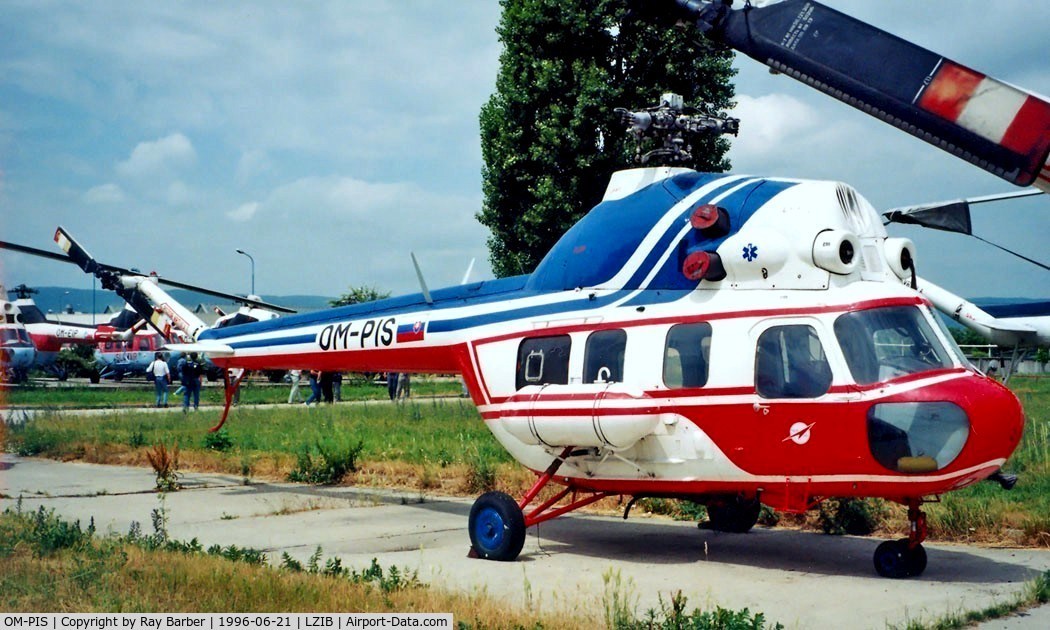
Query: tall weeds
[[165, 464]]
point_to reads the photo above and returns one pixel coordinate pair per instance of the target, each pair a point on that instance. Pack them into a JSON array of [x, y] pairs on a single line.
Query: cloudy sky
[[331, 139]]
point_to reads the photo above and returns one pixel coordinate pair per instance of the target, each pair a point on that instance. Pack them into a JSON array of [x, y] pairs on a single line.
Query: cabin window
[[687, 354], [884, 343], [790, 363], [603, 358], [917, 437], [543, 360]]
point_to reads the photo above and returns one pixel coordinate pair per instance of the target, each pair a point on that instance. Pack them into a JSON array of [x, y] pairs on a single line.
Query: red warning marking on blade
[[950, 90], [1029, 133]]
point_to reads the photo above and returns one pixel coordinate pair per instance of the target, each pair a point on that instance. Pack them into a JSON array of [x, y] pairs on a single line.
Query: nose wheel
[[905, 557], [895, 559]]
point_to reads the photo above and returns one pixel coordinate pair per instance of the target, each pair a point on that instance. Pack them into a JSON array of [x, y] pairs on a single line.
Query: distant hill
[[57, 299]]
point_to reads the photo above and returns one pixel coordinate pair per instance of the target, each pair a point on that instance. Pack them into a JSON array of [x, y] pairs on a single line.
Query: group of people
[[189, 371], [327, 386]]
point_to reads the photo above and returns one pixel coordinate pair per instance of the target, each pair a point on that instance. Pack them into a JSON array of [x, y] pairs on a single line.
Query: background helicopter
[[17, 353], [709, 253], [124, 345]]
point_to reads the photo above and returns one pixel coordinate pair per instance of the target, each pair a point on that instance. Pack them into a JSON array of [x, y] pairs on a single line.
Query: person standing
[[327, 392], [337, 386], [404, 386], [315, 388], [391, 384], [294, 376], [161, 377], [191, 380]]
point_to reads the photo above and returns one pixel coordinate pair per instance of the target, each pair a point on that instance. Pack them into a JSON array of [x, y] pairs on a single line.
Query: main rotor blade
[[998, 127], [86, 262], [33, 251], [954, 216], [918, 214]]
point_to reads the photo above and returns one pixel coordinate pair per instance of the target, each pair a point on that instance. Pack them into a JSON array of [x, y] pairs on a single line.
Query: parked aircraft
[[17, 353]]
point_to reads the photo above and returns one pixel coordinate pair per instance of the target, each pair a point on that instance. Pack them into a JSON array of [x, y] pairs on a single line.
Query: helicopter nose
[[996, 415]]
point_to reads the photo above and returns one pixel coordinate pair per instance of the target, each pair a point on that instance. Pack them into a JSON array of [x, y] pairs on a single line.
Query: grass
[[1035, 593], [140, 393], [47, 564], [433, 444]]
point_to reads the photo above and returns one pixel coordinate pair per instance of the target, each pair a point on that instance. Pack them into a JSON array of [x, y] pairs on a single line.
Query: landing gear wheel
[[737, 515], [916, 561], [893, 559], [497, 527]]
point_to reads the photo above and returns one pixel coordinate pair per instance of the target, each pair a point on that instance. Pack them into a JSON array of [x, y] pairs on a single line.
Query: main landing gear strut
[[905, 557], [497, 523]]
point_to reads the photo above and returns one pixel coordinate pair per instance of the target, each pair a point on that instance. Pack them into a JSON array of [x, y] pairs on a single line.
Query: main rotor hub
[[675, 126]]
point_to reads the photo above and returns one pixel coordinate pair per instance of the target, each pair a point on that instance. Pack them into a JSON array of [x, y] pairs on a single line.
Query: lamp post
[[244, 253]]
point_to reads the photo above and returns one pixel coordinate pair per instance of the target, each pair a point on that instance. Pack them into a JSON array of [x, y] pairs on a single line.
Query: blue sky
[[331, 139]]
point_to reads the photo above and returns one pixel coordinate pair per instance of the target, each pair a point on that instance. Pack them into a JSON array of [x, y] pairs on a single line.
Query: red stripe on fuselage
[[442, 359]]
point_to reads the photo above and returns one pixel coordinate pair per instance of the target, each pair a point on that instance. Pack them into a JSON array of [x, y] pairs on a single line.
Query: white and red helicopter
[[718, 338], [123, 344], [17, 353]]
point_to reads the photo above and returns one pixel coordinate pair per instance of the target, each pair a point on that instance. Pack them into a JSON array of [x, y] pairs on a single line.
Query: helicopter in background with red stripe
[[724, 339]]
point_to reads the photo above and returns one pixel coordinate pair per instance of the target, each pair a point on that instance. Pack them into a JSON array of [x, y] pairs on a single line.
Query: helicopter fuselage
[[791, 362]]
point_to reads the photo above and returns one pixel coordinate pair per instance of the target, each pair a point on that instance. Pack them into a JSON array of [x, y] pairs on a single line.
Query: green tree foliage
[[549, 137], [356, 295]]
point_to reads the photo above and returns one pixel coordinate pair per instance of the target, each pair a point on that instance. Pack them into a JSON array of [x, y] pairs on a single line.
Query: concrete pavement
[[803, 580]]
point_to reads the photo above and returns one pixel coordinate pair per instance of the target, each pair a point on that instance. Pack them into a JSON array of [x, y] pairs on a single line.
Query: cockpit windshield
[[14, 337], [885, 343]]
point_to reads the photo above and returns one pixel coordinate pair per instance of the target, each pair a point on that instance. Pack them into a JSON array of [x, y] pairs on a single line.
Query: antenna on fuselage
[[422, 282], [470, 268]]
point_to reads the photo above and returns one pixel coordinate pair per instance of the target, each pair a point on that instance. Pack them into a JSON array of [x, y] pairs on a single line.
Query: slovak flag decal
[[411, 332]]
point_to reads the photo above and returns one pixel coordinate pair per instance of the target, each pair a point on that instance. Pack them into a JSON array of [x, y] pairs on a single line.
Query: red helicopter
[[724, 339]]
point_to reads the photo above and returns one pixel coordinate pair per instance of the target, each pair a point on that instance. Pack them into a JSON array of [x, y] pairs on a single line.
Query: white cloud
[[158, 156], [244, 212], [104, 194], [770, 122], [179, 194], [251, 164]]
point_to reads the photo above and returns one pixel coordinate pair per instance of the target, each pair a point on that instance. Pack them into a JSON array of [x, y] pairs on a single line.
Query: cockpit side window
[[687, 354], [790, 363], [884, 343], [603, 357], [543, 360]]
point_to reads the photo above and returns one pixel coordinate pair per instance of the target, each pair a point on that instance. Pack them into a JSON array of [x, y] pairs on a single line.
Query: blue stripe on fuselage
[[595, 249], [667, 286], [741, 206]]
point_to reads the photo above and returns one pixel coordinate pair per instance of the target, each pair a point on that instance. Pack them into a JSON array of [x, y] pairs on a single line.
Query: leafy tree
[[78, 360], [356, 295], [967, 337], [549, 137]]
